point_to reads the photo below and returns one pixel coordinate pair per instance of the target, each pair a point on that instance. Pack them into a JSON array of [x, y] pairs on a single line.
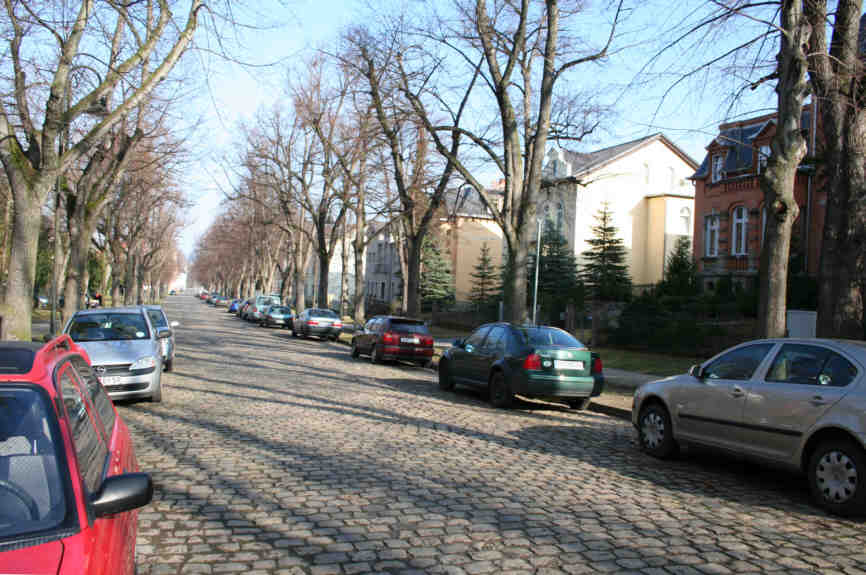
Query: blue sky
[[688, 115]]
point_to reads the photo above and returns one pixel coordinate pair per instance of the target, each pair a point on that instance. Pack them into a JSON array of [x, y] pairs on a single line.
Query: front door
[[463, 360], [801, 384], [709, 409]]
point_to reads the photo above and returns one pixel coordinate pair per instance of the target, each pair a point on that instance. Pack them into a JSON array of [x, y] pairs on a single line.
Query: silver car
[[124, 348], [159, 321], [796, 403]]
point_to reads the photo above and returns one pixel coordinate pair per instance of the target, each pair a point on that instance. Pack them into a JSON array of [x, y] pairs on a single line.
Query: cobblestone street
[[279, 455]]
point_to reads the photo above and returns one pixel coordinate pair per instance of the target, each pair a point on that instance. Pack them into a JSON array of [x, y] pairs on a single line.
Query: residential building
[[730, 213], [335, 275], [646, 185], [382, 275]]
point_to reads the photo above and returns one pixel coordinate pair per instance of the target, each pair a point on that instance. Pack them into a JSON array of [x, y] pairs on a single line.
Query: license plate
[[108, 380], [278, 321], [562, 364], [414, 340]]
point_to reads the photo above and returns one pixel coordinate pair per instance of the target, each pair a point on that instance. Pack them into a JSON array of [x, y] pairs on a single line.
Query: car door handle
[[817, 400], [737, 391]]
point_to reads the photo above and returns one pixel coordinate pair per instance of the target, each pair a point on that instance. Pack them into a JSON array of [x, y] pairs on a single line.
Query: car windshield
[[322, 313], [157, 318], [404, 326], [32, 497], [108, 326], [279, 310], [547, 336]]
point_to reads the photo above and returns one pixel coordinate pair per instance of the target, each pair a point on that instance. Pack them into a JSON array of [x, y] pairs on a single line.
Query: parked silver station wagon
[[797, 403]]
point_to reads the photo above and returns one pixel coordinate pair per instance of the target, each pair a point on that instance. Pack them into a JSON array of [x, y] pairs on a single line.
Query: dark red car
[[69, 480], [394, 338]]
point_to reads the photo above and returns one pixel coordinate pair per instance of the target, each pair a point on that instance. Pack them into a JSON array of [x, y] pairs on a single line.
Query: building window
[[686, 219], [718, 164], [738, 231], [711, 236], [763, 156]]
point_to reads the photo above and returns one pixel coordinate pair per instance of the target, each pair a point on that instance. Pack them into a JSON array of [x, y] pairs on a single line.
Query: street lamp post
[[537, 258]]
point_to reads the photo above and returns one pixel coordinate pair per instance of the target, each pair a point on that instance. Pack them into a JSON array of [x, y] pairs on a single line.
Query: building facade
[[730, 213], [646, 185]]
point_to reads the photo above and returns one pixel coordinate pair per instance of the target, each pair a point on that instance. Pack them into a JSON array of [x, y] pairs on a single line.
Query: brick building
[[730, 216]]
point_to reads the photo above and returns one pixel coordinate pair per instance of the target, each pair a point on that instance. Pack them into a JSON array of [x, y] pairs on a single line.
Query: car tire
[[837, 477], [579, 404], [294, 333], [446, 382], [500, 392], [156, 396], [356, 353], [655, 431], [374, 354], [168, 365]]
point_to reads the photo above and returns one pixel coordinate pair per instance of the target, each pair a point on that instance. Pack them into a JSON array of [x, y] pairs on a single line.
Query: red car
[[394, 338], [69, 480]]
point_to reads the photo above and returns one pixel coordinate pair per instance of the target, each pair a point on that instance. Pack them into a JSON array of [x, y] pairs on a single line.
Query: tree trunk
[[324, 266], [18, 306], [344, 274], [413, 276], [789, 148], [80, 232], [358, 308], [401, 244]]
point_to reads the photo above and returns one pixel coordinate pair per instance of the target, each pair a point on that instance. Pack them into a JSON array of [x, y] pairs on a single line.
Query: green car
[[531, 361]]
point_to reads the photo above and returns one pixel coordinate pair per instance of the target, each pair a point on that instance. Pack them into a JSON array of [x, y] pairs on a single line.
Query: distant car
[[69, 478], [233, 306], [221, 301], [125, 348], [259, 304], [159, 321], [42, 301], [394, 338], [278, 315], [322, 323], [795, 403], [243, 307], [172, 292], [528, 360]]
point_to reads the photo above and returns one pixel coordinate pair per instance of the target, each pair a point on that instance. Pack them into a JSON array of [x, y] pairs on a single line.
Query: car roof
[[98, 310], [33, 362]]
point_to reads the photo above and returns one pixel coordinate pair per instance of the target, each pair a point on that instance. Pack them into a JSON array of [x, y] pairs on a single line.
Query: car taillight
[[426, 340], [532, 361], [390, 337], [596, 365], [312, 322], [338, 324]]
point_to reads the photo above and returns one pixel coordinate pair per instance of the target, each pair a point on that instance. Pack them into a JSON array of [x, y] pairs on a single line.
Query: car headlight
[[144, 363]]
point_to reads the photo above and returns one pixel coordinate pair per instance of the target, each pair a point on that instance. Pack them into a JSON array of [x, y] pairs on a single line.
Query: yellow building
[[647, 187]]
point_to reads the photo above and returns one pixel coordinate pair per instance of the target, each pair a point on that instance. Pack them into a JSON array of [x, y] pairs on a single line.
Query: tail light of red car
[[312, 322], [390, 337], [596, 365], [426, 340], [337, 324], [532, 362]]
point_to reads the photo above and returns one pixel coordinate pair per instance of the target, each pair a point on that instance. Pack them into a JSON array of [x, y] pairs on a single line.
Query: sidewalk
[[619, 386]]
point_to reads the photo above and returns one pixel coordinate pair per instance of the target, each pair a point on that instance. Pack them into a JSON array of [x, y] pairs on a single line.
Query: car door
[[800, 385], [462, 358], [110, 545], [709, 409], [483, 358]]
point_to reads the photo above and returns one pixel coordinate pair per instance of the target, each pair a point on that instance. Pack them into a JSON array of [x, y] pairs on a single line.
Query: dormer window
[[763, 155], [718, 165]]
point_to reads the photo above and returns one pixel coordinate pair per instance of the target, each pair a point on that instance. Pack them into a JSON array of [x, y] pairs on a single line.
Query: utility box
[[801, 323]]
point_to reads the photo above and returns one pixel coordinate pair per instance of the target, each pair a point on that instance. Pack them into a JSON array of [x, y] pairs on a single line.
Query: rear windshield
[[404, 326], [29, 462], [280, 310], [108, 326], [322, 313], [547, 336]]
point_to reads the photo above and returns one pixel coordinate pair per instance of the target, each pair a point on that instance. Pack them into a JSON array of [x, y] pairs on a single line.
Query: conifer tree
[[680, 270], [605, 272], [485, 285], [437, 282], [558, 280]]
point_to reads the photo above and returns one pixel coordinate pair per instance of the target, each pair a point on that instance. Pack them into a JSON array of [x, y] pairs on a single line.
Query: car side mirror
[[174, 324], [121, 493], [696, 372], [163, 333]]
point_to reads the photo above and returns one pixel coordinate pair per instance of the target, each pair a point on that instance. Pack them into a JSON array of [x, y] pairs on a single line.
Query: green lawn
[[646, 362]]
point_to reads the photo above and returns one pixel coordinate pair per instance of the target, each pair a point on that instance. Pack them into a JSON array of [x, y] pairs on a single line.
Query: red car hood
[[39, 560]]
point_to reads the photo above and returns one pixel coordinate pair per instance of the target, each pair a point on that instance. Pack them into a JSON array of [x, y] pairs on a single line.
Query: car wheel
[[355, 351], [156, 396], [579, 404], [446, 382], [374, 354], [294, 333], [837, 469], [168, 365], [655, 431], [500, 393]]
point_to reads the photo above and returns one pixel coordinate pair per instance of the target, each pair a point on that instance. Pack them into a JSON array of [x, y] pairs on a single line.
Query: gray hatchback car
[[796, 403], [125, 350]]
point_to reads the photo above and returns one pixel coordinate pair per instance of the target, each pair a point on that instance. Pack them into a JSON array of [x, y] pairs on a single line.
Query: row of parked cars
[[70, 484]]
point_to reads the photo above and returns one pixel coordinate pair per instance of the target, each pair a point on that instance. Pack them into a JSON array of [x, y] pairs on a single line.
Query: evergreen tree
[[605, 272], [680, 277], [558, 280], [485, 285], [437, 282]]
